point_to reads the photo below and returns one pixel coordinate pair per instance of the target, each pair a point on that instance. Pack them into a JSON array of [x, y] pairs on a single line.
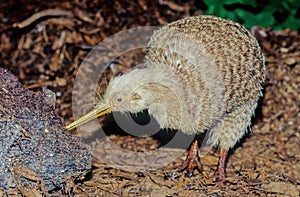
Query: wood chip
[[42, 14]]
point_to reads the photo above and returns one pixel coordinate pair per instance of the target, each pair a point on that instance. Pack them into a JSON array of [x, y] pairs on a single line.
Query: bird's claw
[[219, 177], [192, 161]]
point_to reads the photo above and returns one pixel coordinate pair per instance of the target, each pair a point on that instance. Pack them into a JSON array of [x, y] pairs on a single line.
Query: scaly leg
[[192, 160], [220, 172]]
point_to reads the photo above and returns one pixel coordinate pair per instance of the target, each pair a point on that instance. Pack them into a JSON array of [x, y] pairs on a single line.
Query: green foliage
[[278, 14]]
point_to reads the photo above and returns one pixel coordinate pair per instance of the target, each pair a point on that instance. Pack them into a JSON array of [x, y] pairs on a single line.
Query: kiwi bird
[[202, 74]]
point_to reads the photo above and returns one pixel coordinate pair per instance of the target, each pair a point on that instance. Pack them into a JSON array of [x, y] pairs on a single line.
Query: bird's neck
[[160, 83], [165, 92]]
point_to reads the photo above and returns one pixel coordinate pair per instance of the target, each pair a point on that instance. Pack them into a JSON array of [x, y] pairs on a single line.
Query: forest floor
[[47, 49]]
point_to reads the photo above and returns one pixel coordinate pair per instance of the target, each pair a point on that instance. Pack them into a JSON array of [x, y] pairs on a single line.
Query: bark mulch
[[44, 43]]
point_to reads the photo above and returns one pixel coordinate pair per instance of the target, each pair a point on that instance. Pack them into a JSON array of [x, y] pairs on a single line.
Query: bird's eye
[[119, 99]]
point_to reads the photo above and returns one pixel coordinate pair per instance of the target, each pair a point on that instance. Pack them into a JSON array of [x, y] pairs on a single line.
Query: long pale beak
[[99, 110]]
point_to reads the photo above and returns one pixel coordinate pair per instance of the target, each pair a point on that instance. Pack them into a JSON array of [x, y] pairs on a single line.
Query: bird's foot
[[192, 161], [220, 174]]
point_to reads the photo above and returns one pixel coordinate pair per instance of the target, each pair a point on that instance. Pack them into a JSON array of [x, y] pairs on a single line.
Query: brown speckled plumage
[[204, 74], [238, 58]]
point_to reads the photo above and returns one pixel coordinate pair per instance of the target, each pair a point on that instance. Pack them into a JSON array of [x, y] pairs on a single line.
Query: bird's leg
[[220, 172], [192, 160]]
